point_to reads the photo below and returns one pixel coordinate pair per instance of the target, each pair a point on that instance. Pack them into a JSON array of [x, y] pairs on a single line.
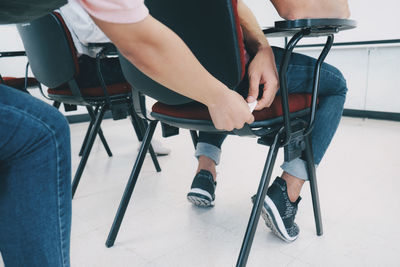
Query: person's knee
[[60, 127], [61, 123], [52, 128], [335, 78]]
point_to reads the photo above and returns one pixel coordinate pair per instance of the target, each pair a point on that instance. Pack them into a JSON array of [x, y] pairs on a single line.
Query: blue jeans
[[35, 182], [331, 94]]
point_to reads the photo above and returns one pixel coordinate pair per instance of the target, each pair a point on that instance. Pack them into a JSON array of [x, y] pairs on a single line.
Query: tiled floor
[[358, 181]]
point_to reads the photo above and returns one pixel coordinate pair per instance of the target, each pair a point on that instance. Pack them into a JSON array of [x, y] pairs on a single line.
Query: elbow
[[287, 15], [289, 10], [290, 13]]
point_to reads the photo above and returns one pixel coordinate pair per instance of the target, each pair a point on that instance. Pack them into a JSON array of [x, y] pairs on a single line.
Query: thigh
[[215, 139], [300, 75], [110, 69], [35, 195], [25, 124]]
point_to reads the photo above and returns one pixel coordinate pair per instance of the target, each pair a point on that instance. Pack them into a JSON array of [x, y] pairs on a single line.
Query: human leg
[[208, 152], [332, 94], [110, 69], [35, 182]]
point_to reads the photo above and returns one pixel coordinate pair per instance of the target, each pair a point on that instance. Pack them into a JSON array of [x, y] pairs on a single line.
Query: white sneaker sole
[[273, 220], [199, 200]]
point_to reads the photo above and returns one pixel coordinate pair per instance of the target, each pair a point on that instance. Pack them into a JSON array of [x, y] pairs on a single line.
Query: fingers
[[250, 120], [232, 113], [254, 82], [266, 100], [238, 123], [269, 93]]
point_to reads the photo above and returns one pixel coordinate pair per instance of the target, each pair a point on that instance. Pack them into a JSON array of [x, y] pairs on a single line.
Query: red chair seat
[[19, 83], [198, 111], [114, 89]]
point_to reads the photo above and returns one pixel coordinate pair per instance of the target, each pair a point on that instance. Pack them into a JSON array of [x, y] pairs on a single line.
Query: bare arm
[[262, 69], [163, 56], [300, 9]]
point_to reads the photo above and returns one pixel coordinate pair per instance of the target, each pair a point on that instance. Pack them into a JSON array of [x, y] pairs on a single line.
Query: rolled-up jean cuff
[[210, 151], [297, 168]]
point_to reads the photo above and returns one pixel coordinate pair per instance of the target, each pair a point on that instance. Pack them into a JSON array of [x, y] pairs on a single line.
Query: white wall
[[10, 41], [372, 72], [377, 20]]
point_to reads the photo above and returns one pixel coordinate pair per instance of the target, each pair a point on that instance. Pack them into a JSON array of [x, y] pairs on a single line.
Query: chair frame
[[120, 105], [97, 116], [6, 54], [291, 134], [57, 104]]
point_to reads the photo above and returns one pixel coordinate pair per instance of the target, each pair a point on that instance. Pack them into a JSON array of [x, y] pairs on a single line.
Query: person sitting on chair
[[283, 195], [85, 32]]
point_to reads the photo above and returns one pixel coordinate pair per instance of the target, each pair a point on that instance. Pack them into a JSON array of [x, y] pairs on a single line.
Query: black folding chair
[[20, 83], [51, 53], [211, 30], [25, 83]]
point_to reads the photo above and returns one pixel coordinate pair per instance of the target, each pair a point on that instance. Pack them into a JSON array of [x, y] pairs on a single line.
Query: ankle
[[293, 185], [207, 164]]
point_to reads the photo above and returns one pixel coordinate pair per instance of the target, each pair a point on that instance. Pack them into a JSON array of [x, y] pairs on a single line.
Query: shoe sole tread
[[199, 201], [271, 223]]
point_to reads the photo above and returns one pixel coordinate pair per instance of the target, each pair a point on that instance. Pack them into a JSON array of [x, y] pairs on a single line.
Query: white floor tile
[[358, 181]]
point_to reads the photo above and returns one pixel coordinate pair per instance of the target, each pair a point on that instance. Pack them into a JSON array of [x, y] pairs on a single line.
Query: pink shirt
[[116, 11]]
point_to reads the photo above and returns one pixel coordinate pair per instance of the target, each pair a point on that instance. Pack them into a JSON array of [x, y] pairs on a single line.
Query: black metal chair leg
[[313, 185], [56, 104], [131, 184], [92, 115], [140, 125], [103, 140], [86, 135], [195, 137], [135, 123], [259, 201], [88, 148]]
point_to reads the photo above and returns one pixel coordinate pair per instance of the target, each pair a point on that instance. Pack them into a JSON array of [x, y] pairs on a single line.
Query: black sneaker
[[279, 212], [202, 189]]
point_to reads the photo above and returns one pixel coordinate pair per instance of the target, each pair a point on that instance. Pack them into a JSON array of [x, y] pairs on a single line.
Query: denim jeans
[[110, 69], [35, 182], [331, 94]]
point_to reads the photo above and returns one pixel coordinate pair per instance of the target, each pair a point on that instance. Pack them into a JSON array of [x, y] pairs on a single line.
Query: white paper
[[252, 105]]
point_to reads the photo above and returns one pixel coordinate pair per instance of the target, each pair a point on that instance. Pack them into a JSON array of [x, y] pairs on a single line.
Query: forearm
[[162, 55], [254, 37], [300, 9]]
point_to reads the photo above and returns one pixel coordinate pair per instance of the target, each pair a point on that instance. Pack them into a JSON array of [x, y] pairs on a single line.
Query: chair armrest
[[299, 29], [317, 27]]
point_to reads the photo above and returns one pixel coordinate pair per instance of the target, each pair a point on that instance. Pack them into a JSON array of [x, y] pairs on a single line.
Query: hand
[[262, 71], [229, 111]]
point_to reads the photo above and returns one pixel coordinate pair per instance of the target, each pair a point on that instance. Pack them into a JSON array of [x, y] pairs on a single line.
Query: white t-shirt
[[83, 29]]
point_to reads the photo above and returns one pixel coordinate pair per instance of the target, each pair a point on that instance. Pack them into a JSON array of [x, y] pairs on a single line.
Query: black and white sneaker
[[279, 212], [202, 191]]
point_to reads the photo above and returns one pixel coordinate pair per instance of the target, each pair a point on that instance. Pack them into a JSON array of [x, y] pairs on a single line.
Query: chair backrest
[[48, 47], [211, 30]]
